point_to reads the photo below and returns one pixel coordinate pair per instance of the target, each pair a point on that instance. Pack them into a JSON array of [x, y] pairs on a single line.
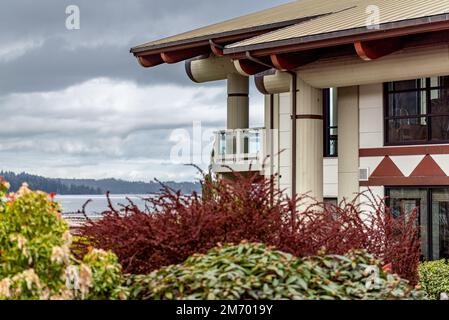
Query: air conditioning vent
[[364, 174]]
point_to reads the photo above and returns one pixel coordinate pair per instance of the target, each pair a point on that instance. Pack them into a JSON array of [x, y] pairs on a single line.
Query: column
[[309, 141], [238, 110], [348, 143], [238, 102]]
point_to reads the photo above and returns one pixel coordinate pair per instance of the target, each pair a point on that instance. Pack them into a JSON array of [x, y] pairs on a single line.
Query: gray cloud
[[75, 103], [53, 57]]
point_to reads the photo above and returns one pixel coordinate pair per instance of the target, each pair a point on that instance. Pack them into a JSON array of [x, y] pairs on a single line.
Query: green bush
[[434, 278], [106, 276], [253, 271], [35, 257]]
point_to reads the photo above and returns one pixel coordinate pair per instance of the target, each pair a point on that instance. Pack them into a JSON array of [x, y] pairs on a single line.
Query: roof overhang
[[331, 39], [222, 38], [280, 45]]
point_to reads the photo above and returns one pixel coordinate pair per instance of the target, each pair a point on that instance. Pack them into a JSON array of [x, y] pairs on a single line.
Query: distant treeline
[[90, 186], [46, 184]]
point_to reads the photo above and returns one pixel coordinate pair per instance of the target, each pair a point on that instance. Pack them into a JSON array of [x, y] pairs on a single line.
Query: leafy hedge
[[254, 271], [35, 257], [434, 278], [175, 226]]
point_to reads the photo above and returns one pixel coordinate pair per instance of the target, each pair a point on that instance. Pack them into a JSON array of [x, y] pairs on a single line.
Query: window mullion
[[429, 110]]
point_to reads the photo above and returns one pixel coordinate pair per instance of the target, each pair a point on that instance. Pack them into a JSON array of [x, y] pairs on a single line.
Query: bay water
[[99, 203]]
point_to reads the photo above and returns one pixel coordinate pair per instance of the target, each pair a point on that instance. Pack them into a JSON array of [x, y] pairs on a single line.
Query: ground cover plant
[[256, 272]]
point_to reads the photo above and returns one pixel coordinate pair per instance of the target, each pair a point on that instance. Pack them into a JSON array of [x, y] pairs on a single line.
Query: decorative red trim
[[293, 61], [371, 50], [406, 181], [428, 168], [404, 151], [428, 172], [250, 67], [181, 55], [150, 61], [217, 51], [246, 66], [309, 117], [216, 48], [387, 168]]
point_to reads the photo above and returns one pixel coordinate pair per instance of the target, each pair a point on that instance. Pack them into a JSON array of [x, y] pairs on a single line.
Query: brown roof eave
[[157, 51], [220, 38], [387, 30]]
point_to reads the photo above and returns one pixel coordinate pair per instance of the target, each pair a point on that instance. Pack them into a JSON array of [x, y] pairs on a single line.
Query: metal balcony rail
[[239, 147]]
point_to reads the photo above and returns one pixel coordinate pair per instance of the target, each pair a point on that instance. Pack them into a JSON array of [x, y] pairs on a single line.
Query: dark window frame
[[428, 115], [429, 197], [327, 128], [331, 200]]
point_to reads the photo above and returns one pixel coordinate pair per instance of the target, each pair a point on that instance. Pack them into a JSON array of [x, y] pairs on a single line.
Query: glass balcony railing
[[239, 147]]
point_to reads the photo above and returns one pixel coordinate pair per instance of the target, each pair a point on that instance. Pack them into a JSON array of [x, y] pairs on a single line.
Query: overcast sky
[[75, 103]]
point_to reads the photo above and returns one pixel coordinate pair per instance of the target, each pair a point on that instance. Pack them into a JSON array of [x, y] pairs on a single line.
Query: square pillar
[[348, 143]]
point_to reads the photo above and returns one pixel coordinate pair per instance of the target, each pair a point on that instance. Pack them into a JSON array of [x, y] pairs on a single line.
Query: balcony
[[240, 150]]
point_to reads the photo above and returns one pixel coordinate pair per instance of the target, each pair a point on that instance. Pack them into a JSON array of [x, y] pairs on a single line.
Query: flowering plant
[[4, 186], [35, 257]]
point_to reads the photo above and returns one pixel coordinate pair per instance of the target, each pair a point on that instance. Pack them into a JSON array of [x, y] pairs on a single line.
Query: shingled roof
[[266, 20], [301, 25], [392, 14]]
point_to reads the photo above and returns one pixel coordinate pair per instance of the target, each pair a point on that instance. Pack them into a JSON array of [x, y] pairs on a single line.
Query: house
[[356, 97]]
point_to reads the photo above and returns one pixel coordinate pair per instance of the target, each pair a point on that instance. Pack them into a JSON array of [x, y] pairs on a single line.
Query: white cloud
[[107, 128], [108, 108], [14, 50], [103, 127]]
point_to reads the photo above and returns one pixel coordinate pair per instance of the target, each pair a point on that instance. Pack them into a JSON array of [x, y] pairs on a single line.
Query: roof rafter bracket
[[150, 61], [248, 68], [292, 61], [171, 57], [216, 48], [252, 65], [372, 50]]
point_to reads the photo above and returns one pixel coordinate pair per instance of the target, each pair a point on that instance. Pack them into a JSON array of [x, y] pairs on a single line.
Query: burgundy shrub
[[173, 226]]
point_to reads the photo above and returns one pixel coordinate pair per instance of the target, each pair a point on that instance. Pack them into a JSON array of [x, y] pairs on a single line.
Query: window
[[330, 122], [433, 216], [331, 202], [417, 111]]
